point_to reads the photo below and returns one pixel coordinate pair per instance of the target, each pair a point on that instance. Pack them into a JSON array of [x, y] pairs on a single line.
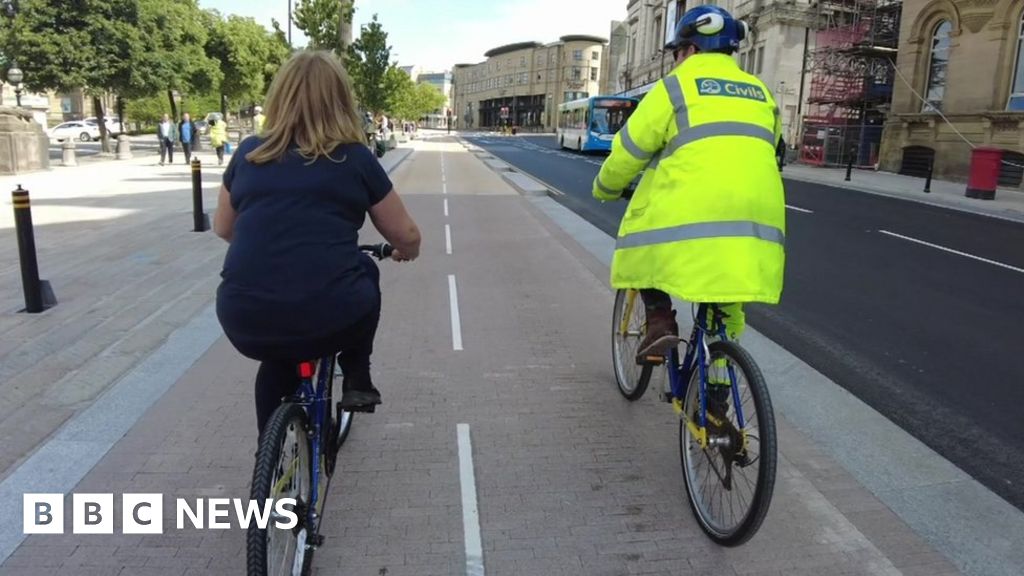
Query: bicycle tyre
[[767, 443], [287, 415], [632, 385]]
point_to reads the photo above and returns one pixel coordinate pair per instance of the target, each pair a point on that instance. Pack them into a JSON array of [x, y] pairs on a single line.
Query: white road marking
[[804, 210], [446, 207], [470, 511], [951, 251], [448, 238], [444, 187], [453, 306]]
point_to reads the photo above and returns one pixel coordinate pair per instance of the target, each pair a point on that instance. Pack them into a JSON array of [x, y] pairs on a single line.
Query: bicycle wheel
[[282, 470], [730, 486], [629, 323]]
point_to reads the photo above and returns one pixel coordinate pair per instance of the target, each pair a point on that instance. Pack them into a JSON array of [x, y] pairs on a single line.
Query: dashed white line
[[952, 251], [453, 306], [798, 209], [470, 511], [448, 239], [446, 207], [444, 187]]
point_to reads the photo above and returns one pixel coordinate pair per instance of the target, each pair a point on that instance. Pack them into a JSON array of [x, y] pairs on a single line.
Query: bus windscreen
[[610, 115]]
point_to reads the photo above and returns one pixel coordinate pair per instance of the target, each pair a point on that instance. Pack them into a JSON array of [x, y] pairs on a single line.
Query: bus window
[[611, 115]]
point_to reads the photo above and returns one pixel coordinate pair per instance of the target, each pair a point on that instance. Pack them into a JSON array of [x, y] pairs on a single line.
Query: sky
[[436, 34]]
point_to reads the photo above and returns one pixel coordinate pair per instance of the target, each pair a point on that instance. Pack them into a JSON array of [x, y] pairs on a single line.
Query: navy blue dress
[[294, 280]]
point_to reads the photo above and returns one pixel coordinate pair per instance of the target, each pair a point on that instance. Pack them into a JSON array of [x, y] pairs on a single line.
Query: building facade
[[522, 84], [965, 59], [775, 52]]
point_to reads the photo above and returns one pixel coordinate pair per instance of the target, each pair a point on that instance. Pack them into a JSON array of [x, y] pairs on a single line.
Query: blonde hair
[[310, 105]]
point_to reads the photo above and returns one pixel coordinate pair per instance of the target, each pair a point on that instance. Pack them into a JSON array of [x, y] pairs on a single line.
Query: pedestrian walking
[[258, 119], [166, 134], [188, 134], [218, 137]]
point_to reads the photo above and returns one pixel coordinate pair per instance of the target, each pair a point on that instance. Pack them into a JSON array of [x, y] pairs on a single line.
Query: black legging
[[279, 378], [278, 373]]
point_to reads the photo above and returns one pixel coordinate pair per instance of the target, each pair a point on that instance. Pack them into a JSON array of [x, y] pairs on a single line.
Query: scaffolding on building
[[852, 70]]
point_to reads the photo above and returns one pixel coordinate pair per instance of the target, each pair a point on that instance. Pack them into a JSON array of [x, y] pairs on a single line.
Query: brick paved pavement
[[571, 478]]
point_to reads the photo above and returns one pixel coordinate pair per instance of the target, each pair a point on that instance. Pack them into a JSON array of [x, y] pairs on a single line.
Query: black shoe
[[360, 400]]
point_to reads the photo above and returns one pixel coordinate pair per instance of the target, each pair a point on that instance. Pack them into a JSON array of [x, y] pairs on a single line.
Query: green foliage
[[320, 21], [175, 58], [413, 101], [369, 63], [67, 44], [245, 50]]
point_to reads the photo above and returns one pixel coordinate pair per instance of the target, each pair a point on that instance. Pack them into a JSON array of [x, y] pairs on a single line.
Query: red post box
[[984, 177]]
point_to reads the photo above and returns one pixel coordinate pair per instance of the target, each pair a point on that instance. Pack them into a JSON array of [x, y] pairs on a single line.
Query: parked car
[[113, 127], [78, 129]]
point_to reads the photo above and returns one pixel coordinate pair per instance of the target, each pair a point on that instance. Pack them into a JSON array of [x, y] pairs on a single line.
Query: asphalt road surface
[[914, 309]]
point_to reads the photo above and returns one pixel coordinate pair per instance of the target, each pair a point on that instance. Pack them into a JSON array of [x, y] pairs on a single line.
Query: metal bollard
[[849, 168], [68, 153], [124, 147], [200, 220], [928, 180], [38, 293]]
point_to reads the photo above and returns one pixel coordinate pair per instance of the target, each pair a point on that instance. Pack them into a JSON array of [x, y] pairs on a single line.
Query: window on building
[[1016, 101], [658, 32], [595, 55], [577, 54], [577, 74], [593, 73], [743, 61], [938, 64], [760, 60], [522, 61]]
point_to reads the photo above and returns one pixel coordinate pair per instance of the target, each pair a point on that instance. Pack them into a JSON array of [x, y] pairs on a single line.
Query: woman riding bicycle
[[295, 285]]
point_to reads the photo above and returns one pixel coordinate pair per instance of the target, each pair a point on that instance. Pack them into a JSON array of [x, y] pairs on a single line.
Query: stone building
[[775, 52], [443, 82], [523, 83], [962, 58]]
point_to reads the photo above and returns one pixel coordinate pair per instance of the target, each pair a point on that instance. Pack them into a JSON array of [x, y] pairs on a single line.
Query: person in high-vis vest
[[707, 220], [258, 119]]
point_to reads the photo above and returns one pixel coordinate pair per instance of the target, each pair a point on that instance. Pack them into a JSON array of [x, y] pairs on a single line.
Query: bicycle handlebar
[[378, 251]]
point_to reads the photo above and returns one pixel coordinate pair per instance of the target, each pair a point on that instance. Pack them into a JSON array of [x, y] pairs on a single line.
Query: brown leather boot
[[662, 335]]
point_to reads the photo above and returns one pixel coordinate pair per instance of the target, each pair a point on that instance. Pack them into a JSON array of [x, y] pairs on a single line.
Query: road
[[912, 308], [87, 150]]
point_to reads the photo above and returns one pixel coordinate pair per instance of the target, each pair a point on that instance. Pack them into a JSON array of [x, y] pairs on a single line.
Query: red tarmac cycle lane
[[571, 478]]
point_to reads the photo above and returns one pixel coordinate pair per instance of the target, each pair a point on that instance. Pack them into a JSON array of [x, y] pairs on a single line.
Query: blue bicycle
[[727, 441], [296, 459]]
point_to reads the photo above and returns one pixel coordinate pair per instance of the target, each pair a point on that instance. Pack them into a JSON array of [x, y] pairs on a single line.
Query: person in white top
[[167, 134]]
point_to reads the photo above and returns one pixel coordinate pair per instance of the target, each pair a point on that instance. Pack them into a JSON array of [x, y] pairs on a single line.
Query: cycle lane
[[570, 478]]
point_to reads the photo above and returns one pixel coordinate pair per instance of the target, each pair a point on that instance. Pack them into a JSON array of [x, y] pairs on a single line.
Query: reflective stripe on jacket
[[707, 221]]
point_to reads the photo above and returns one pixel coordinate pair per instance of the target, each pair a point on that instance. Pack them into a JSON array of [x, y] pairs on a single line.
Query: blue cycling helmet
[[709, 28]]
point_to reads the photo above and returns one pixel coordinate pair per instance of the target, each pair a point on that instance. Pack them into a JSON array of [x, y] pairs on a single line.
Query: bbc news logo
[[144, 513]]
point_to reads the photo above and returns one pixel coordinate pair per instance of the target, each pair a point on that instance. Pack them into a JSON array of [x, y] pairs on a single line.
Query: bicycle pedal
[[650, 360], [368, 409], [316, 541], [665, 397]]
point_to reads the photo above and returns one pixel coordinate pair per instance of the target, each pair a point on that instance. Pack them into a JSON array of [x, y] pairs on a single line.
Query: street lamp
[[15, 76]]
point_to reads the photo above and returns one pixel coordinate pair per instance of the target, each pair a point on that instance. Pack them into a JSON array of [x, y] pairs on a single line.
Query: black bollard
[[928, 180], [38, 293], [849, 168], [200, 219]]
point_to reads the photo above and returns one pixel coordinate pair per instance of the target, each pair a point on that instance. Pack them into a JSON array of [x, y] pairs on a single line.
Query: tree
[[318, 20], [175, 57], [245, 51], [65, 45], [369, 63], [413, 101]]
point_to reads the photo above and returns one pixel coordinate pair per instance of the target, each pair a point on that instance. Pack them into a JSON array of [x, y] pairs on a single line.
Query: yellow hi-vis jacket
[[707, 221]]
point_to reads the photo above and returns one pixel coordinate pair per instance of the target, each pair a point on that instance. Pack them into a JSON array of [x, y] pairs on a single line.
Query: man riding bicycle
[[707, 220]]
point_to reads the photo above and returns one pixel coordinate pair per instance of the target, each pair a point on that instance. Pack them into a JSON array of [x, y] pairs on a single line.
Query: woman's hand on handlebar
[[397, 256]]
